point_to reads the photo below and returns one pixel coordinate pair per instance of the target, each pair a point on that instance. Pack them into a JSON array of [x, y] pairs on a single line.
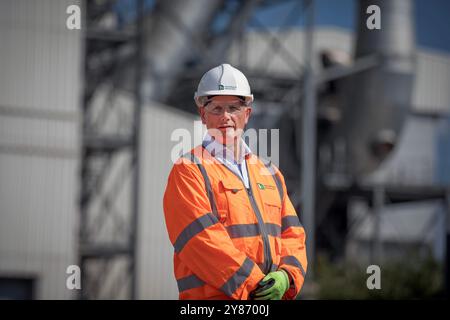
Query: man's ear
[[202, 114], [248, 112]]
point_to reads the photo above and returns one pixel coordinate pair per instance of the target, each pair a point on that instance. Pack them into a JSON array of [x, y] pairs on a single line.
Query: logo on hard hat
[[222, 87]]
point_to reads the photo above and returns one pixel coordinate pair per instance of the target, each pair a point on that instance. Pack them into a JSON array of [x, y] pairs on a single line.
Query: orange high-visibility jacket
[[227, 238]]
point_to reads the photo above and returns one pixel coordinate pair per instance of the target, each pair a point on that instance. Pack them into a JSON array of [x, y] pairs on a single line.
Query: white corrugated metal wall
[[39, 156], [432, 94], [39, 129]]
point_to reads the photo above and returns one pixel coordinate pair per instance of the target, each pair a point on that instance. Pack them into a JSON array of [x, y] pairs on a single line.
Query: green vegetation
[[410, 278]]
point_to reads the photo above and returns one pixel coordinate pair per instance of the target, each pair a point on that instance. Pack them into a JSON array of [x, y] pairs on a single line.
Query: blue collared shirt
[[226, 157]]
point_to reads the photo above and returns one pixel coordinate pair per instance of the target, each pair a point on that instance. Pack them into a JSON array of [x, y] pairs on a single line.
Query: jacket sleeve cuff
[[250, 284], [293, 291]]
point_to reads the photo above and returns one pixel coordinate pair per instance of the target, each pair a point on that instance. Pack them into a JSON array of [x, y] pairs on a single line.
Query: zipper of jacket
[[262, 227], [268, 261]]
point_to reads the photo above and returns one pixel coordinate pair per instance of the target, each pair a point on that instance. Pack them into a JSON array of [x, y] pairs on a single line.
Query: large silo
[[379, 98]]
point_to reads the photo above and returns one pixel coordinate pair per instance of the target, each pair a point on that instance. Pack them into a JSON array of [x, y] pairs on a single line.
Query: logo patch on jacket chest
[[265, 186]]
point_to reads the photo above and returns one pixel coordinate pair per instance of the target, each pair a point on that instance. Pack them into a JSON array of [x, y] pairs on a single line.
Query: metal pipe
[[379, 98], [378, 204], [447, 246], [173, 34], [138, 102], [308, 169]]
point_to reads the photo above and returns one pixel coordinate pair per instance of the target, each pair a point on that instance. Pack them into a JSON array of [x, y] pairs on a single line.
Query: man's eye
[[217, 109], [233, 108]]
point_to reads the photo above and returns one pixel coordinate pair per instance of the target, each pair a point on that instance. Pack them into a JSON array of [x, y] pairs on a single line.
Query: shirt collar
[[221, 151]]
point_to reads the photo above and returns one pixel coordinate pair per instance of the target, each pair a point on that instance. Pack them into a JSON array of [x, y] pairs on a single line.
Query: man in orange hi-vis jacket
[[235, 232]]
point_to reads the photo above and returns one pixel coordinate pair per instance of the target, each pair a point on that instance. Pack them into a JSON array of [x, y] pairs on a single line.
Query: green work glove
[[273, 286]]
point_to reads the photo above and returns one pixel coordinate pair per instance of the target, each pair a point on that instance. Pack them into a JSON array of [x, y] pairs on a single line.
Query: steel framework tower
[[110, 159], [134, 57]]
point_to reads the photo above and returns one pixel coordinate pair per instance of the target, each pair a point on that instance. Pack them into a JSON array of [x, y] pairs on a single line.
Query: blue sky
[[432, 18]]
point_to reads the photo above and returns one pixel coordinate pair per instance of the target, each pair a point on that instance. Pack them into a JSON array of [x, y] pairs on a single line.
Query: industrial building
[[69, 97]]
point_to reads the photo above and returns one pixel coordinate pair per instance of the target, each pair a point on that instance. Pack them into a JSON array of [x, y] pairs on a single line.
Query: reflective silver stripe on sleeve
[[293, 261], [194, 228], [189, 282], [236, 280], [290, 221]]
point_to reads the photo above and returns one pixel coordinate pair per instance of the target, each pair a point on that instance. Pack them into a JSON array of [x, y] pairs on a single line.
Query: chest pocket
[[270, 201], [236, 207]]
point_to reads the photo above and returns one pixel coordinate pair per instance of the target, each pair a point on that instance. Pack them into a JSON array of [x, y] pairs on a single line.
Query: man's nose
[[226, 114]]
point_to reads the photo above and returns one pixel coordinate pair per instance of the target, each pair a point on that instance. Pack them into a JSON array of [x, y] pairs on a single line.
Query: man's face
[[225, 118]]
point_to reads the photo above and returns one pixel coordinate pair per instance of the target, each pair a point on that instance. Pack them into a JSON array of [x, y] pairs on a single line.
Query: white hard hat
[[223, 80]]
